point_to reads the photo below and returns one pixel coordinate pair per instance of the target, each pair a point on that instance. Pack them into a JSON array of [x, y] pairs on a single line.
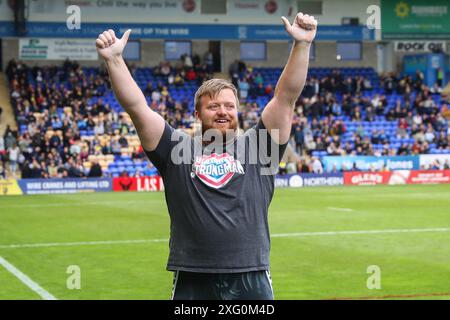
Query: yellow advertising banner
[[9, 187]]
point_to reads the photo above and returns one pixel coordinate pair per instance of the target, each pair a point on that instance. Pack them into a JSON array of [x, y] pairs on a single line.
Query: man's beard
[[210, 133]]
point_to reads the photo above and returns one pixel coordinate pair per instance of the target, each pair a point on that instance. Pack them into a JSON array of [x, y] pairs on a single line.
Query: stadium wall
[[325, 55], [10, 48], [162, 11], [152, 52]]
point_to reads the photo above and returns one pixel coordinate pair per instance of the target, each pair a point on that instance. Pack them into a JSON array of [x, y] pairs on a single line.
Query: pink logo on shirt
[[216, 170]]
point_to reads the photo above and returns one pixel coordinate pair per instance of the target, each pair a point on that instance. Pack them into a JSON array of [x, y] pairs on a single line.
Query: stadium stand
[[70, 124]]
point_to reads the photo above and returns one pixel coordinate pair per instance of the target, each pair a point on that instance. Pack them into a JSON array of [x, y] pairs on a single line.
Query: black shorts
[[254, 285]]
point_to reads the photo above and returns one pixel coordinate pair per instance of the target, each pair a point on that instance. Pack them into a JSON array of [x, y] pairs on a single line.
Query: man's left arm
[[278, 113]]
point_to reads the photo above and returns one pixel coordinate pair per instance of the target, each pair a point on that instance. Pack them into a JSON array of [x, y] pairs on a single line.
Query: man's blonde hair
[[211, 88]]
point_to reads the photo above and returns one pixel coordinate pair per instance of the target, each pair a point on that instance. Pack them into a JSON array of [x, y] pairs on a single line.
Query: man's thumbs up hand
[[303, 29], [108, 46]]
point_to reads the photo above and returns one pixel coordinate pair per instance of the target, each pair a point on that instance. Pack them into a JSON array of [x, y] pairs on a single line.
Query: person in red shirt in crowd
[[191, 75], [269, 90], [402, 127]]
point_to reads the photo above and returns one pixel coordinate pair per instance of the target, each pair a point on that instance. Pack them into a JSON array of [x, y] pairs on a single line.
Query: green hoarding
[[415, 19]]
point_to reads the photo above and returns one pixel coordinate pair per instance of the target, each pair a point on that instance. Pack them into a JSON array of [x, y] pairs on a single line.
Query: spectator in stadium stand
[[178, 80], [260, 91], [243, 89], [9, 137], [13, 157], [187, 61], [291, 168], [96, 170], [317, 166], [115, 145], [191, 75], [202, 244], [303, 167], [165, 68], [436, 88], [75, 169], [149, 89], [268, 91], [447, 165], [442, 141], [439, 77], [150, 170], [282, 170], [403, 150], [299, 138], [445, 111], [123, 141], [52, 169]]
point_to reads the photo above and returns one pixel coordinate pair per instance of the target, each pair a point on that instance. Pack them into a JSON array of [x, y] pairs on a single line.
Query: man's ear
[[197, 115]]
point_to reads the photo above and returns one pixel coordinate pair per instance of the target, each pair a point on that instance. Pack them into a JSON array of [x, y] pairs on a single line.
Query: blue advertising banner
[[309, 180], [185, 31], [370, 163], [46, 186]]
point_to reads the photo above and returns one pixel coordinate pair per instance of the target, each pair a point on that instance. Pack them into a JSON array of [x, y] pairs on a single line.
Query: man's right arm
[[149, 125]]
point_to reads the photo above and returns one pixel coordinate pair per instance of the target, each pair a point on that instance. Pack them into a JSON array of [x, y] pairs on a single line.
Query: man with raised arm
[[218, 194]]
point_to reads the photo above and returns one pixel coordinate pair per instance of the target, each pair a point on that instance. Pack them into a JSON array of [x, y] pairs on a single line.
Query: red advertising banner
[[150, 184], [141, 184], [429, 176], [366, 178], [397, 177]]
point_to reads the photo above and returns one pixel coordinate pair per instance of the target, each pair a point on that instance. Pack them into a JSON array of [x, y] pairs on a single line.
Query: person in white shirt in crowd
[[429, 103], [171, 79], [243, 89], [156, 96], [99, 128], [429, 134], [75, 148], [13, 156], [317, 166], [187, 61]]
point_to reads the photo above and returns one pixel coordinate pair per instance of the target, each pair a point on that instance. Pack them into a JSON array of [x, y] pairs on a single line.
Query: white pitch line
[[333, 233], [75, 244], [340, 209], [276, 235], [26, 280], [45, 205]]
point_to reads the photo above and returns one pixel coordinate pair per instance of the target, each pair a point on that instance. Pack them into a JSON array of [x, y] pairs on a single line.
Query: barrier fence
[[155, 183]]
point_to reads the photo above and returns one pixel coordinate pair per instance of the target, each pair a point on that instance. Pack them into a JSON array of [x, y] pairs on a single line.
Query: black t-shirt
[[218, 201]]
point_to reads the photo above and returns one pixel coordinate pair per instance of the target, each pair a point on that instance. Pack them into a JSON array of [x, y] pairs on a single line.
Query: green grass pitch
[[313, 255]]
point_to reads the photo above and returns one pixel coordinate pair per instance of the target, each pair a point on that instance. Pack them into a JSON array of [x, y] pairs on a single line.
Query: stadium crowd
[[318, 123], [55, 108]]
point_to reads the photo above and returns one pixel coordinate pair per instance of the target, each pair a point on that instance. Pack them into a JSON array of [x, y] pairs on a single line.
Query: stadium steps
[[290, 155], [7, 116], [9, 175]]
